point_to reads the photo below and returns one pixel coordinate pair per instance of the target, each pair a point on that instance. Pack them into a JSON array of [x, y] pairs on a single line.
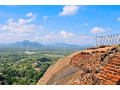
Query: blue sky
[[58, 23]]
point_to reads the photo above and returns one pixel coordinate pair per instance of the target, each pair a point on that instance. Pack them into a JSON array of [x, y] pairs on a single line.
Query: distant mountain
[[62, 45], [29, 44], [26, 43]]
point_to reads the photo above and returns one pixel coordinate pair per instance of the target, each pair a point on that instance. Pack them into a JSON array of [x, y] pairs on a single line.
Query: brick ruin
[[99, 66]]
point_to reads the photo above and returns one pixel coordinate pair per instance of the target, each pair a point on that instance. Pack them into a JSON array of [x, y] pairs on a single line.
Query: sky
[[48, 24]]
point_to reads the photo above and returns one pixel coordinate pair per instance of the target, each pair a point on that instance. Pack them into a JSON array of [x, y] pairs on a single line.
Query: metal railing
[[108, 40]]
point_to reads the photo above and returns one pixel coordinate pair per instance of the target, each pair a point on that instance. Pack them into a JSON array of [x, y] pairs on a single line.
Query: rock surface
[[94, 66]]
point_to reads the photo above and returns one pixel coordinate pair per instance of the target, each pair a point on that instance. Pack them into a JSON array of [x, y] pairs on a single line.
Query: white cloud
[[52, 37], [10, 20], [22, 21], [5, 35], [69, 10], [65, 37], [97, 30], [29, 14], [119, 19], [13, 37], [45, 18], [21, 26], [66, 34], [61, 34]]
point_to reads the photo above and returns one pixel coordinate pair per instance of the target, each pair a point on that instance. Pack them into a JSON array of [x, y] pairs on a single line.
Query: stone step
[[117, 67], [116, 60], [115, 63], [113, 76], [111, 69], [104, 76], [103, 80], [118, 73], [118, 70], [106, 81], [110, 82], [110, 65], [106, 68], [114, 80], [117, 55], [111, 72]]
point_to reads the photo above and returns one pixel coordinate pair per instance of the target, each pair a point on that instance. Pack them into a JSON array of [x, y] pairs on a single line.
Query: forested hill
[[26, 43]]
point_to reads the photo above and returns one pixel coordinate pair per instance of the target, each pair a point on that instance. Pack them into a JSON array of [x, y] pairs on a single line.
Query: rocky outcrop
[[94, 66]]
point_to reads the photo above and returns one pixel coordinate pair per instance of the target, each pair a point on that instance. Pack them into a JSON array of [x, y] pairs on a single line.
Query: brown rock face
[[95, 66]]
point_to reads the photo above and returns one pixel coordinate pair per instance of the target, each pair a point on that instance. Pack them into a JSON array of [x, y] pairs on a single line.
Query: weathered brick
[[112, 66], [114, 80], [110, 75], [105, 83], [117, 77], [110, 82]]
